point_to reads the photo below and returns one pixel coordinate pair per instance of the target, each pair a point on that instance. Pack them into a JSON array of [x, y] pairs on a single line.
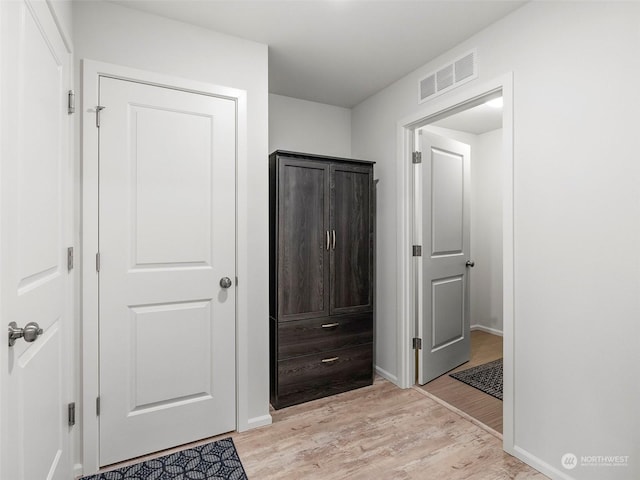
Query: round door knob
[[30, 332], [470, 263], [225, 282]]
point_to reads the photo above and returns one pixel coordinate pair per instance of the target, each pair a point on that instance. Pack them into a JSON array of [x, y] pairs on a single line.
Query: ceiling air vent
[[447, 77]]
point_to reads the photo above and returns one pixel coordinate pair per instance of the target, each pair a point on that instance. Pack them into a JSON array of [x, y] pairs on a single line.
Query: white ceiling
[[477, 120], [338, 52]]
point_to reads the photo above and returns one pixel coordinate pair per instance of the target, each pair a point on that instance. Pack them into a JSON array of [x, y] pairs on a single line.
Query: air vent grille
[[452, 75], [465, 67], [444, 77], [427, 86]]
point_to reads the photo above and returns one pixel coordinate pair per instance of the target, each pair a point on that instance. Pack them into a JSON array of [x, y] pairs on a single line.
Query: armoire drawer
[[305, 337], [308, 377]]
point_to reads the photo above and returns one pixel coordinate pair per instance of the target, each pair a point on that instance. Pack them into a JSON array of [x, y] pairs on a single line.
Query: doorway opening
[[471, 328]]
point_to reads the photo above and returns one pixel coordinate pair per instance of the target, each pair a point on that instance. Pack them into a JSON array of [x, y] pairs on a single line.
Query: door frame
[[405, 291], [91, 71]]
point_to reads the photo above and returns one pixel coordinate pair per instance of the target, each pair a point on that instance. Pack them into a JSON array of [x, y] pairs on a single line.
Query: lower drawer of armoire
[[309, 377]]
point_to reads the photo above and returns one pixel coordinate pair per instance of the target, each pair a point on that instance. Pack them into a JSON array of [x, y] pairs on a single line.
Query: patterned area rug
[[486, 377], [213, 461]]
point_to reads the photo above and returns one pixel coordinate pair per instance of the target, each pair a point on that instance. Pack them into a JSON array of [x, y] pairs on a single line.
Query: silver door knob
[[225, 282], [30, 332], [470, 263]]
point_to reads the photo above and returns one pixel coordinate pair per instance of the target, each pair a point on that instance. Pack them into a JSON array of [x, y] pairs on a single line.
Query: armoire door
[[304, 239], [351, 239]]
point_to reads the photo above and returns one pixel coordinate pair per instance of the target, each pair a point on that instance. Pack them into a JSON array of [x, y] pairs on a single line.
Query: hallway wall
[[577, 262], [308, 127]]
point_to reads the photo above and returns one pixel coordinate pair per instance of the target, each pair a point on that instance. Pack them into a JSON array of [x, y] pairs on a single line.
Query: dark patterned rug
[[486, 377], [213, 461]]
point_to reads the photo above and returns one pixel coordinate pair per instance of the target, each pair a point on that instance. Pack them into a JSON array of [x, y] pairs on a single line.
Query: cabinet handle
[[327, 240], [330, 360], [330, 325], [334, 239]]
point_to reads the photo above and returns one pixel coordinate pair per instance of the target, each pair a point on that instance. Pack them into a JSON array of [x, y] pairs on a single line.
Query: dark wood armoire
[[321, 262]]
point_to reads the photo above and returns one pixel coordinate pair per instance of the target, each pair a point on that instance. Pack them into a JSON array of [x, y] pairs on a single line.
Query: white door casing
[[35, 226], [442, 213], [167, 237], [467, 97]]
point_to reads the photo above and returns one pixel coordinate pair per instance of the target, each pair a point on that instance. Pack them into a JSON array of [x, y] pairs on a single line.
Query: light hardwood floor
[[479, 405], [377, 432]]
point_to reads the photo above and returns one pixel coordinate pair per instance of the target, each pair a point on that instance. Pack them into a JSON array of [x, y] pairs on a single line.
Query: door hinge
[[98, 406], [72, 414], [417, 250], [69, 259], [236, 281], [99, 108], [416, 343], [416, 157], [98, 262], [71, 102]]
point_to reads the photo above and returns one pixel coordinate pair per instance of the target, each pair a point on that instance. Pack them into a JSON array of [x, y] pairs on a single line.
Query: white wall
[[308, 127], [577, 234], [111, 33], [486, 231]]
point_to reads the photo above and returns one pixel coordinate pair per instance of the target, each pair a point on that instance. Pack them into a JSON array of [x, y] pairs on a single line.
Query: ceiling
[[477, 120], [338, 52]]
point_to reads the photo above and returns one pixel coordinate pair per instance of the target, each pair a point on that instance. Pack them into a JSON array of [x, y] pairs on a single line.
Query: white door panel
[[447, 311], [35, 226], [442, 220], [167, 237], [447, 201]]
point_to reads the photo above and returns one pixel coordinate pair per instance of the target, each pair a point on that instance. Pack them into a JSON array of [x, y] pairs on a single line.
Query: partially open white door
[[167, 162], [443, 225], [35, 221]]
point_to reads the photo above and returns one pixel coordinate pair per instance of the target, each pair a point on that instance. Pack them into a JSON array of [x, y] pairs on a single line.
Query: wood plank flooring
[[376, 432], [479, 405]]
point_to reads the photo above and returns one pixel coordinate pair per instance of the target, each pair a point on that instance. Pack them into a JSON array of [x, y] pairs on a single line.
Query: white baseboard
[[482, 328], [540, 465], [384, 374], [259, 421]]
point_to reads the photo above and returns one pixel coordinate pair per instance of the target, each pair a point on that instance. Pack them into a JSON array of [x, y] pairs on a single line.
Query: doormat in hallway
[[486, 377], [213, 461]]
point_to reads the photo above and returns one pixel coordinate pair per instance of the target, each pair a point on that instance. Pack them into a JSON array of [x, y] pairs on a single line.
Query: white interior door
[[167, 240], [35, 221], [442, 218]]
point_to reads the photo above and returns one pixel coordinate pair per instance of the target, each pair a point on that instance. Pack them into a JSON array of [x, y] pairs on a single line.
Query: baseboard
[[256, 422], [384, 374], [540, 465], [482, 328]]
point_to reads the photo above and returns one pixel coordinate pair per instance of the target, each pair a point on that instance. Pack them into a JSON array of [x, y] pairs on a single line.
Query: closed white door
[[35, 220], [167, 162], [443, 230]]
